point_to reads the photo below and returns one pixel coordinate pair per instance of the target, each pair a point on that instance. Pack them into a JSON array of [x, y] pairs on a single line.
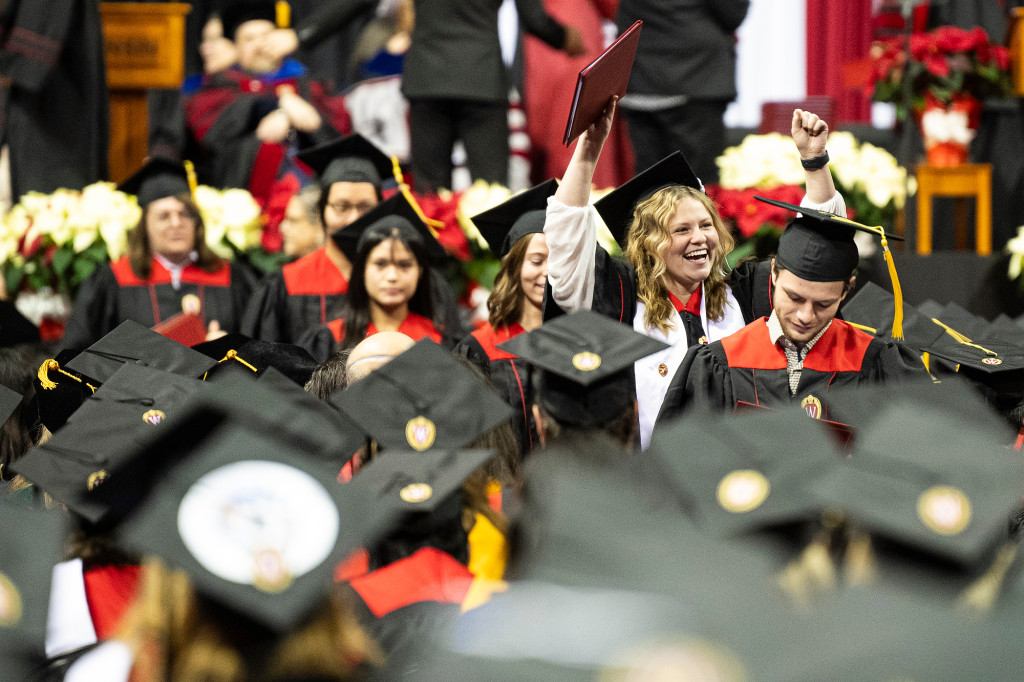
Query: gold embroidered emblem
[[10, 602], [944, 509], [703, 340], [153, 417], [415, 493], [190, 304], [420, 433], [95, 479], [992, 361], [743, 490], [812, 406], [663, 369], [270, 573], [586, 361]]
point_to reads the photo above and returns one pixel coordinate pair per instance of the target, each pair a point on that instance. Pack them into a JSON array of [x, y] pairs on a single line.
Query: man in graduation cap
[[801, 351], [168, 269], [248, 117]]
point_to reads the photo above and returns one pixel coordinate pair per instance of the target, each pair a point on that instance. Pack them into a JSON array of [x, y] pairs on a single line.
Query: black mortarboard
[[33, 542], [616, 207], [744, 471], [349, 159], [157, 179], [234, 14], [422, 399], [130, 342], [104, 431], [395, 213], [872, 309], [257, 525], [9, 400], [60, 390], [587, 360], [237, 354], [15, 329], [523, 214], [971, 342]]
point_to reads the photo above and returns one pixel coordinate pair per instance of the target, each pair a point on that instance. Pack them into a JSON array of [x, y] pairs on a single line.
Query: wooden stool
[[967, 180]]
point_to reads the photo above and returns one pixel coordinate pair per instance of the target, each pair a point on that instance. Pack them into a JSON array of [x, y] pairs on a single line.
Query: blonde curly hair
[[648, 239]]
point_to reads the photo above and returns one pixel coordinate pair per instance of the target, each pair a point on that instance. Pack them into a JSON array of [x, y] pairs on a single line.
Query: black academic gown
[[508, 375], [308, 294], [114, 293], [747, 367]]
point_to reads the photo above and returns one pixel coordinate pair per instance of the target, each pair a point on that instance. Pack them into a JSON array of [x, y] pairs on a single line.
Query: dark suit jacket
[[455, 53], [686, 46]]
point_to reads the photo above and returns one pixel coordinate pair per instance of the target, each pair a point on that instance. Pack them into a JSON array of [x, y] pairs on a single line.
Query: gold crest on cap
[[416, 492], [586, 361], [992, 361], [420, 433], [153, 417], [270, 573], [743, 490], [944, 509], [812, 406], [96, 478], [10, 602]]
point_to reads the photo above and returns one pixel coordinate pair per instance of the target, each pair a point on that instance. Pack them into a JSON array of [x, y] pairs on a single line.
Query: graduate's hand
[[810, 133], [592, 139], [280, 43], [301, 113], [574, 46], [274, 127], [213, 331]]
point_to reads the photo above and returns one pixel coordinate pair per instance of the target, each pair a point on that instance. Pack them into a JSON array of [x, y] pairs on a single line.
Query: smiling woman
[[674, 285]]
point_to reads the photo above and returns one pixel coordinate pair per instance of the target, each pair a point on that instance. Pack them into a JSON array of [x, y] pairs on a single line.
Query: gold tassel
[[978, 597], [859, 563], [962, 339], [813, 571], [283, 14], [863, 327], [233, 355], [897, 291], [44, 378], [432, 225], [190, 173]]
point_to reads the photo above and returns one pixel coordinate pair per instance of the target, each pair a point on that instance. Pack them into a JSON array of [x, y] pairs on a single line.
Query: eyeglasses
[[345, 207]]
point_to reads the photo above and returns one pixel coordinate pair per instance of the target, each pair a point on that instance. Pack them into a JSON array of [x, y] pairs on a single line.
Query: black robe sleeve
[[888, 361], [446, 310], [266, 313], [614, 290], [751, 284], [95, 311], [243, 281], [701, 383]]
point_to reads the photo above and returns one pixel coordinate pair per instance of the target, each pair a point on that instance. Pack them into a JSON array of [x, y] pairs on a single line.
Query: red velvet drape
[[838, 32]]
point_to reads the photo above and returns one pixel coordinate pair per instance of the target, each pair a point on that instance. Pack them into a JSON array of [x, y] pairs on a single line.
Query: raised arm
[[575, 187], [810, 134]]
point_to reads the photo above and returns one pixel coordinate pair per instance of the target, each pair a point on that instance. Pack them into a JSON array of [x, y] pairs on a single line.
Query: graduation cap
[[256, 525], [15, 329], [873, 309], [157, 179], [587, 362], [130, 342], [423, 399], [9, 401], [747, 471], [60, 390], [395, 213], [239, 355], [616, 207], [234, 14], [819, 247], [349, 159], [523, 214], [103, 432], [33, 542]]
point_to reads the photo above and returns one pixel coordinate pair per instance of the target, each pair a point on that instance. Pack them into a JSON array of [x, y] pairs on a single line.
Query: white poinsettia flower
[[98, 199], [84, 236], [239, 208], [114, 231], [477, 199], [18, 220]]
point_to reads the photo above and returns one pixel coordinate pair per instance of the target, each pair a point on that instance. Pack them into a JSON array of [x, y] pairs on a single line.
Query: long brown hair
[[646, 242], [140, 257], [505, 304]]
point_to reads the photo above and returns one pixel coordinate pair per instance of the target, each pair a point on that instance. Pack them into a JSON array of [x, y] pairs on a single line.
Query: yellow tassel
[[432, 225], [859, 564], [233, 355], [190, 173], [980, 595], [44, 378], [961, 339], [396, 170], [283, 14], [863, 327], [897, 291]]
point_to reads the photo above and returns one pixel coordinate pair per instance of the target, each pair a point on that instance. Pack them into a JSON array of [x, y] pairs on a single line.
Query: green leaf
[[62, 259], [742, 251], [82, 268], [97, 252], [39, 279], [13, 274]]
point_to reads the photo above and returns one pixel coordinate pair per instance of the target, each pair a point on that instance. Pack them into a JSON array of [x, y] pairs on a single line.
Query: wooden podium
[[1015, 41], [144, 45]]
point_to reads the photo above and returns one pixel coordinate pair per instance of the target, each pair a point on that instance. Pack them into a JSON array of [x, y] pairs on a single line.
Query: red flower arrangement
[[945, 63]]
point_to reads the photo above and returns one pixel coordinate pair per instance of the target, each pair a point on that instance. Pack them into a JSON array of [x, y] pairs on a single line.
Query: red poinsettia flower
[[450, 235], [1001, 57], [955, 39], [936, 64], [921, 45]]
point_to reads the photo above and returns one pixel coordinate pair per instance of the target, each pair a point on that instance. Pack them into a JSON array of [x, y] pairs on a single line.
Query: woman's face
[[301, 235], [392, 274], [534, 274], [691, 254], [170, 229]]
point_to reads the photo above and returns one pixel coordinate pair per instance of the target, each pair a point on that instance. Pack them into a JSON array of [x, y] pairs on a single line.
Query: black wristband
[[815, 163]]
